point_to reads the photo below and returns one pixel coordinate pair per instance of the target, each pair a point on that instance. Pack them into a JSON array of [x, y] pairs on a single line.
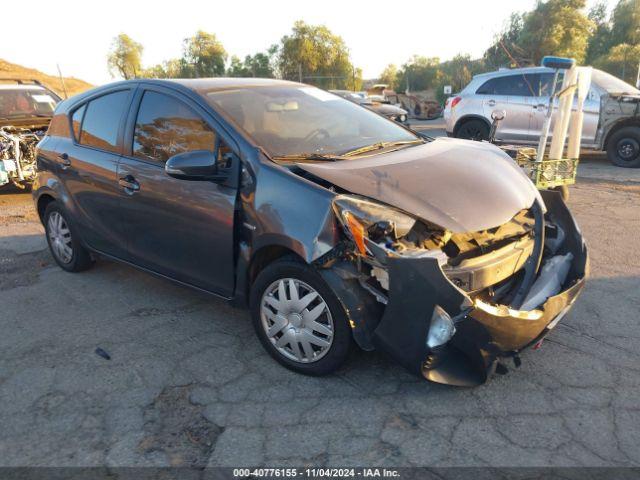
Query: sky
[[77, 34]]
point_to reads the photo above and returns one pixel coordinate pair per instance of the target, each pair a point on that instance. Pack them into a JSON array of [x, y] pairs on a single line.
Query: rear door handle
[[65, 161], [129, 184], [491, 103], [540, 106]]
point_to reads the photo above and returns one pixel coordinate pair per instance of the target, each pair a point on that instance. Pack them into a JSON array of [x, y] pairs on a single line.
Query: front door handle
[[65, 161], [129, 184], [491, 103], [540, 106]]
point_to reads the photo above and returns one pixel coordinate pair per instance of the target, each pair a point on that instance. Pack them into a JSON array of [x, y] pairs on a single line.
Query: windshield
[[298, 120], [612, 84], [26, 103]]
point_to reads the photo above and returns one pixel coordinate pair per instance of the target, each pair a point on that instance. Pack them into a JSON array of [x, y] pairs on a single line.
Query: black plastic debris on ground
[[101, 353]]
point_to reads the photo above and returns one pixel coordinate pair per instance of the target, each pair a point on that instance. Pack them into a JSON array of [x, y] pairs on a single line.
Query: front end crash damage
[[453, 307]]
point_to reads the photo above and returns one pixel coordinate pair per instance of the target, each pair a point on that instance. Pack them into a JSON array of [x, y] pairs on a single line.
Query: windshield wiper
[[381, 145], [322, 157]]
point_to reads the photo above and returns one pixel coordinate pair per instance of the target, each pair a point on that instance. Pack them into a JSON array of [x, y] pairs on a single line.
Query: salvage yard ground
[[187, 382]]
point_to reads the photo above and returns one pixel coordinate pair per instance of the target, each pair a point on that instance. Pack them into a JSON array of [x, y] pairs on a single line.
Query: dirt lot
[[187, 382]]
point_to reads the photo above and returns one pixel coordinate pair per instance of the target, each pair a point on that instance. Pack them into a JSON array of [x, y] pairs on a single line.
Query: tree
[[390, 76], [506, 50], [621, 61], [168, 69], [203, 56], [600, 41], [258, 65], [626, 23], [419, 73], [125, 57], [313, 54], [556, 27]]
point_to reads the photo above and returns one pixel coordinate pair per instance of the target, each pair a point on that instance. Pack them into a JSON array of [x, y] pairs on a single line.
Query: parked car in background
[[377, 104], [333, 223], [26, 108], [611, 111]]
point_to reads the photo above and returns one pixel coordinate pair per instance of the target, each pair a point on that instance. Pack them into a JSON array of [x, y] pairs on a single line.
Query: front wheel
[[623, 148], [473, 130], [298, 318]]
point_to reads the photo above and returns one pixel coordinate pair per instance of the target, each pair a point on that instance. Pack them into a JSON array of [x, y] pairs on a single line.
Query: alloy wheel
[[296, 320], [628, 149], [60, 237]]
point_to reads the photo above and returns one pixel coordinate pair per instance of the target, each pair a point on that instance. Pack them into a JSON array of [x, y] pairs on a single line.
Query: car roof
[[227, 83], [14, 86], [511, 71]]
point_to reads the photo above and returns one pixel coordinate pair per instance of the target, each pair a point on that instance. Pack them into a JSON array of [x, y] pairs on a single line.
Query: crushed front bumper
[[485, 333]]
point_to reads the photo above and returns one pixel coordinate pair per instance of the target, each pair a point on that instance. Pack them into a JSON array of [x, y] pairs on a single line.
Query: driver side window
[[165, 126]]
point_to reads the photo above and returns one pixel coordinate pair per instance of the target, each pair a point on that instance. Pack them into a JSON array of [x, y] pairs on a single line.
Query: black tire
[[473, 130], [80, 258], [293, 268], [623, 147]]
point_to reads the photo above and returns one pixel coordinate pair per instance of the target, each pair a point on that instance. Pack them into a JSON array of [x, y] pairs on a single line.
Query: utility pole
[[300, 72]]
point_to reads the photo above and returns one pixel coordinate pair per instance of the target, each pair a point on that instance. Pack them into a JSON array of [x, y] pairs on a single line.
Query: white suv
[[524, 95]]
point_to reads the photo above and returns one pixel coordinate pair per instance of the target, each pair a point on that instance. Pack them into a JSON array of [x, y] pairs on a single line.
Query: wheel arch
[[42, 203], [466, 118], [617, 126]]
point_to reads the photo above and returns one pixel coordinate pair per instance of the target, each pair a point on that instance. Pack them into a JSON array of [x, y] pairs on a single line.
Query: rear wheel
[[473, 130], [298, 318], [64, 244], [623, 147]]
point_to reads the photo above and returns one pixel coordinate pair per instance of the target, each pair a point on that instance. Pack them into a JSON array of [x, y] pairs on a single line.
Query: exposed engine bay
[[18, 154], [489, 264]]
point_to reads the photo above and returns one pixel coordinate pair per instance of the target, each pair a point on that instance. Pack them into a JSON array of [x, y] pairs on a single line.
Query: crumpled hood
[[460, 185]]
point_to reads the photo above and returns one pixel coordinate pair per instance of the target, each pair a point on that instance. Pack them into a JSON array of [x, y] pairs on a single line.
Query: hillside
[[74, 85]]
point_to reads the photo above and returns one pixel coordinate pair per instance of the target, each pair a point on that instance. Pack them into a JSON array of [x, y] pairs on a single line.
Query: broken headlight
[[366, 219], [441, 329]]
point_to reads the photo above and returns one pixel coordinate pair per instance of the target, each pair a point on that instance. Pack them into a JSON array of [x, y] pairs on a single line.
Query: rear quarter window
[[76, 122]]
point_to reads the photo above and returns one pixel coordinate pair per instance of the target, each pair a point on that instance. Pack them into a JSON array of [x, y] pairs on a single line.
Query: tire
[[623, 147], [291, 322], [473, 130], [59, 230]]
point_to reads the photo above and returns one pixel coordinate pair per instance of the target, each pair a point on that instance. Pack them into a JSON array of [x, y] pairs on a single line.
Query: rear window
[[102, 121]]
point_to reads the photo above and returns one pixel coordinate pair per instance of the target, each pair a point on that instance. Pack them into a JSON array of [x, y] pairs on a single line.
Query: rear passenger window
[[165, 127], [102, 121], [76, 122], [515, 85]]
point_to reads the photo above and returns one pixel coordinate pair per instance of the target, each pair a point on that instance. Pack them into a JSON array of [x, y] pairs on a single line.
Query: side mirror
[[195, 165]]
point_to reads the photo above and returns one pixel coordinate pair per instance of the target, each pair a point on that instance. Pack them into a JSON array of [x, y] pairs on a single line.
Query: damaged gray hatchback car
[[333, 223]]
